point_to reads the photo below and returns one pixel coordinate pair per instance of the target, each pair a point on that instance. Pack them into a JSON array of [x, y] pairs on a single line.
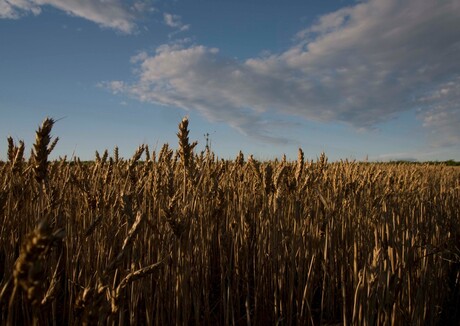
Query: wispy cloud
[[106, 13], [14, 9], [116, 86], [175, 21], [360, 65], [442, 114]]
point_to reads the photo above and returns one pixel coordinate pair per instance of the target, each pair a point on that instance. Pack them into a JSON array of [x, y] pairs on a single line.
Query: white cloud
[[106, 13], [360, 65]]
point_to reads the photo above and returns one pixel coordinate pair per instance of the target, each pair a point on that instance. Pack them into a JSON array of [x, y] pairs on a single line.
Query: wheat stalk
[[41, 150]]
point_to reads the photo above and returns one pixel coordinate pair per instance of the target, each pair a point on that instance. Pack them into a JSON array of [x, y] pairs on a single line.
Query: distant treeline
[[448, 162]]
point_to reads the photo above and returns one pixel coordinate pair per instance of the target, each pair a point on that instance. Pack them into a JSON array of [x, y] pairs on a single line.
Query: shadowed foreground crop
[[180, 238]]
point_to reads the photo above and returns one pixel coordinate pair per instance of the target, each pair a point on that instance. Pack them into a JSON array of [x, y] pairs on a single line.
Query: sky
[[376, 79]]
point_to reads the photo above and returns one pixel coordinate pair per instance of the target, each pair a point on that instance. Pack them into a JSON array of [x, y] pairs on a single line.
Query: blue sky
[[355, 79]]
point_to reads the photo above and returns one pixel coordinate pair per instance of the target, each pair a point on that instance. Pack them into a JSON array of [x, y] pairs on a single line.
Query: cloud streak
[[361, 65], [106, 13]]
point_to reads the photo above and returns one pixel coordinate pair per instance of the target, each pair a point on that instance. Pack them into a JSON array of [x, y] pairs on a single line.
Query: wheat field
[[184, 238]]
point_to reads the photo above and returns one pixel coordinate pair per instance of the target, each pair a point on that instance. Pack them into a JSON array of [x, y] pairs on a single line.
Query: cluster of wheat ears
[[180, 238]]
